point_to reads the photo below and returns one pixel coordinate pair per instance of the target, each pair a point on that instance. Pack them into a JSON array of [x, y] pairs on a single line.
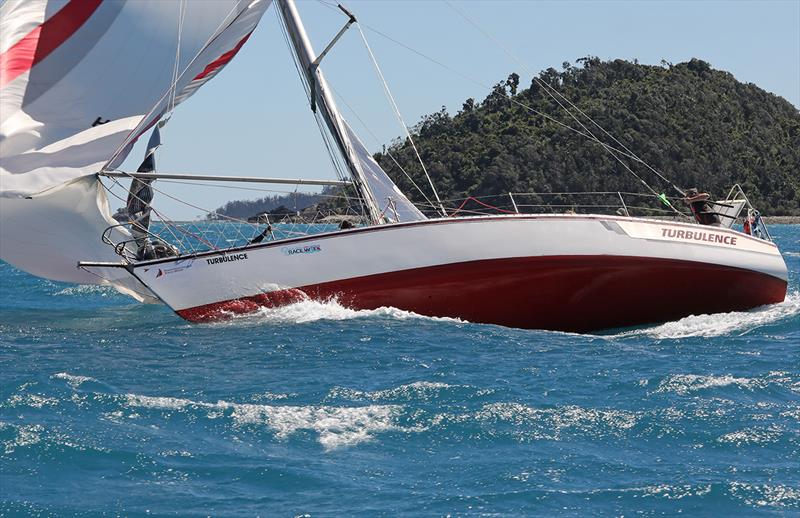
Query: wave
[[524, 423], [22, 435], [72, 380], [418, 390], [752, 436], [335, 426], [312, 310], [86, 289], [30, 400], [683, 384], [720, 324], [766, 495]]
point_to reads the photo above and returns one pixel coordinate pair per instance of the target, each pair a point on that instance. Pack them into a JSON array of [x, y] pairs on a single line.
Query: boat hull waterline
[[559, 272]]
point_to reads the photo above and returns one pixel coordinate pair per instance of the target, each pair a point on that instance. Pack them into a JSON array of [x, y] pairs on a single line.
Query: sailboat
[[75, 98]]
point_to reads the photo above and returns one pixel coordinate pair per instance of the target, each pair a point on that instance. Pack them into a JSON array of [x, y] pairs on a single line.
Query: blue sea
[[109, 407]]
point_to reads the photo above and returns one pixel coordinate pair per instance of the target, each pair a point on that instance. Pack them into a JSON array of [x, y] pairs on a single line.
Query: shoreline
[[781, 220]]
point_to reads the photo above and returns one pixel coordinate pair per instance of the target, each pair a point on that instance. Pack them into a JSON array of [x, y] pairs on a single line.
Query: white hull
[[550, 271]]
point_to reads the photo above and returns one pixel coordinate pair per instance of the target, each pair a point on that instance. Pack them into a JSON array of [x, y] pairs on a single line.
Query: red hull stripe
[[222, 60], [567, 293], [44, 39]]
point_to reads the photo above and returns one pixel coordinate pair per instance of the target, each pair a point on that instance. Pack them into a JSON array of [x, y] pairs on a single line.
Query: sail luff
[[322, 99]]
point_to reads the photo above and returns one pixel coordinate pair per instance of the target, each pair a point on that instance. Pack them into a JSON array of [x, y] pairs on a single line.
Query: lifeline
[[698, 236]]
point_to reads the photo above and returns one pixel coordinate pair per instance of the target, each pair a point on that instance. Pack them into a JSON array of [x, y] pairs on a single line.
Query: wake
[[736, 323], [312, 311]]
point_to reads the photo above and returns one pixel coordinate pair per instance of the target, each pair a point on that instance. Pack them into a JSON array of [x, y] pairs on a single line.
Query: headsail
[[394, 205], [80, 80], [78, 77]]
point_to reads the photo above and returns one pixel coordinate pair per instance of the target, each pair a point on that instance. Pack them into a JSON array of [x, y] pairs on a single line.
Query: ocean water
[[108, 407]]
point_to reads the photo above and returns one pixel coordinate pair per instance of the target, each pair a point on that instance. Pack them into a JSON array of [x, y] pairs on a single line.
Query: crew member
[[701, 207]]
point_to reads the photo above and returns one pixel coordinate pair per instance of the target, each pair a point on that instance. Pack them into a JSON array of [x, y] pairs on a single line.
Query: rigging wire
[[335, 158], [555, 95], [586, 133], [484, 85], [399, 116], [335, 8], [389, 153]]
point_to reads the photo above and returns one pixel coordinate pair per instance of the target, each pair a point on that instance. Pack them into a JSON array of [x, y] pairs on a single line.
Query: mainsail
[[80, 81]]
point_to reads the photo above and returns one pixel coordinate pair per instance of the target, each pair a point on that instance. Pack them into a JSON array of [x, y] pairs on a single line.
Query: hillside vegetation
[[700, 127]]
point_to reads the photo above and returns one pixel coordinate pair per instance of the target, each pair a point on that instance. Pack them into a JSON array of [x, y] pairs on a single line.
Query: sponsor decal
[[698, 235], [303, 249], [179, 267], [227, 258]]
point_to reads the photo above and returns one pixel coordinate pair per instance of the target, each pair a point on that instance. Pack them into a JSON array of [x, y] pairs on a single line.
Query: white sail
[[80, 81], [394, 205], [75, 85]]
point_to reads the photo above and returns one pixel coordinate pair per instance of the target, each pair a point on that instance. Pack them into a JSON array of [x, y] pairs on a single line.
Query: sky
[[253, 119]]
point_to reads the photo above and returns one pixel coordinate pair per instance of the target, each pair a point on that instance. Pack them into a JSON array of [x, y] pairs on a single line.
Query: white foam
[[26, 435], [336, 426], [676, 492], [163, 403], [793, 413], [549, 423], [313, 310], [752, 436], [31, 400], [766, 495], [72, 380], [720, 324], [87, 289], [683, 384], [416, 390]]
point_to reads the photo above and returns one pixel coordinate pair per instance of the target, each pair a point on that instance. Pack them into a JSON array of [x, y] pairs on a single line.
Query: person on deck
[[701, 207]]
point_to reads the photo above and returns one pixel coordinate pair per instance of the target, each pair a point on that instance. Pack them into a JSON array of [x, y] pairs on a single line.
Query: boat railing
[[730, 211], [752, 216], [187, 238], [603, 202], [192, 237]]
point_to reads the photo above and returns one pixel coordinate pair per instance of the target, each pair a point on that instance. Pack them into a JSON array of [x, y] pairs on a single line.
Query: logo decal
[[305, 249], [179, 267]]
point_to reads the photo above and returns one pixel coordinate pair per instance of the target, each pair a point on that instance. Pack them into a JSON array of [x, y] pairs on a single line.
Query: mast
[[322, 100]]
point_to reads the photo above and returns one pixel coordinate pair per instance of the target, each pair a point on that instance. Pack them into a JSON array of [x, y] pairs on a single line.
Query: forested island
[[698, 126]]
